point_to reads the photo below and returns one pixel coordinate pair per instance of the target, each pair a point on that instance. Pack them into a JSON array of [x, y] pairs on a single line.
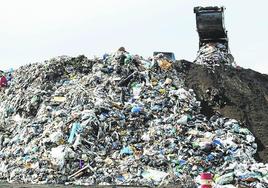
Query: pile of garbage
[[122, 120], [214, 54]]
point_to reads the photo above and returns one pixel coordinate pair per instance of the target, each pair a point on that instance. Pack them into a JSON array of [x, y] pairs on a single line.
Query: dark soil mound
[[241, 94]]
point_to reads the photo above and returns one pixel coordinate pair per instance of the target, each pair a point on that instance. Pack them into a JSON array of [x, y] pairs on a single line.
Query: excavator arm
[[210, 25]]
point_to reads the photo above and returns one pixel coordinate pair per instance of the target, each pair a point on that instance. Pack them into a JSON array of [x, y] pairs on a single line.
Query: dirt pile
[[241, 94]]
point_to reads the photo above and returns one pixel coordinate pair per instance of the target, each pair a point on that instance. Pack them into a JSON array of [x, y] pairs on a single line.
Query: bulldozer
[[210, 25]]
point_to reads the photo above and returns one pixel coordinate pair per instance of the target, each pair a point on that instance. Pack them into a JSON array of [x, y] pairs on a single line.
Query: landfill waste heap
[[122, 120]]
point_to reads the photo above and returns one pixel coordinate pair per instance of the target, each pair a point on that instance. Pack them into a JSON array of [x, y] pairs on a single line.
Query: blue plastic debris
[[121, 178], [105, 56], [126, 150], [217, 143], [75, 128], [136, 109], [182, 162], [210, 157]]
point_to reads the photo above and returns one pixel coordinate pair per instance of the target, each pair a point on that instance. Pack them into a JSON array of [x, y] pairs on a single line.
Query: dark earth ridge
[[237, 93]]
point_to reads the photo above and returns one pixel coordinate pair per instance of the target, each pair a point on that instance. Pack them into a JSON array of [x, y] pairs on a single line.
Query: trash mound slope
[[117, 120]]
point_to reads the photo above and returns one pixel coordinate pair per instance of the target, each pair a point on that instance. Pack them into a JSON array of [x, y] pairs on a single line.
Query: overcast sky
[[37, 30]]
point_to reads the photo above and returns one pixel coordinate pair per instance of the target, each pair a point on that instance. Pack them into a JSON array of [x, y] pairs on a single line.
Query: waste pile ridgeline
[[117, 120]]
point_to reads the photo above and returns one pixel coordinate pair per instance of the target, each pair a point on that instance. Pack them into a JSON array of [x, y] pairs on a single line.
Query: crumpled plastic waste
[[75, 128], [214, 54], [154, 175], [120, 119]]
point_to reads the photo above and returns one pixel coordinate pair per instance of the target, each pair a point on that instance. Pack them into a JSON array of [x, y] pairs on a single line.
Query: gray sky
[[37, 30]]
